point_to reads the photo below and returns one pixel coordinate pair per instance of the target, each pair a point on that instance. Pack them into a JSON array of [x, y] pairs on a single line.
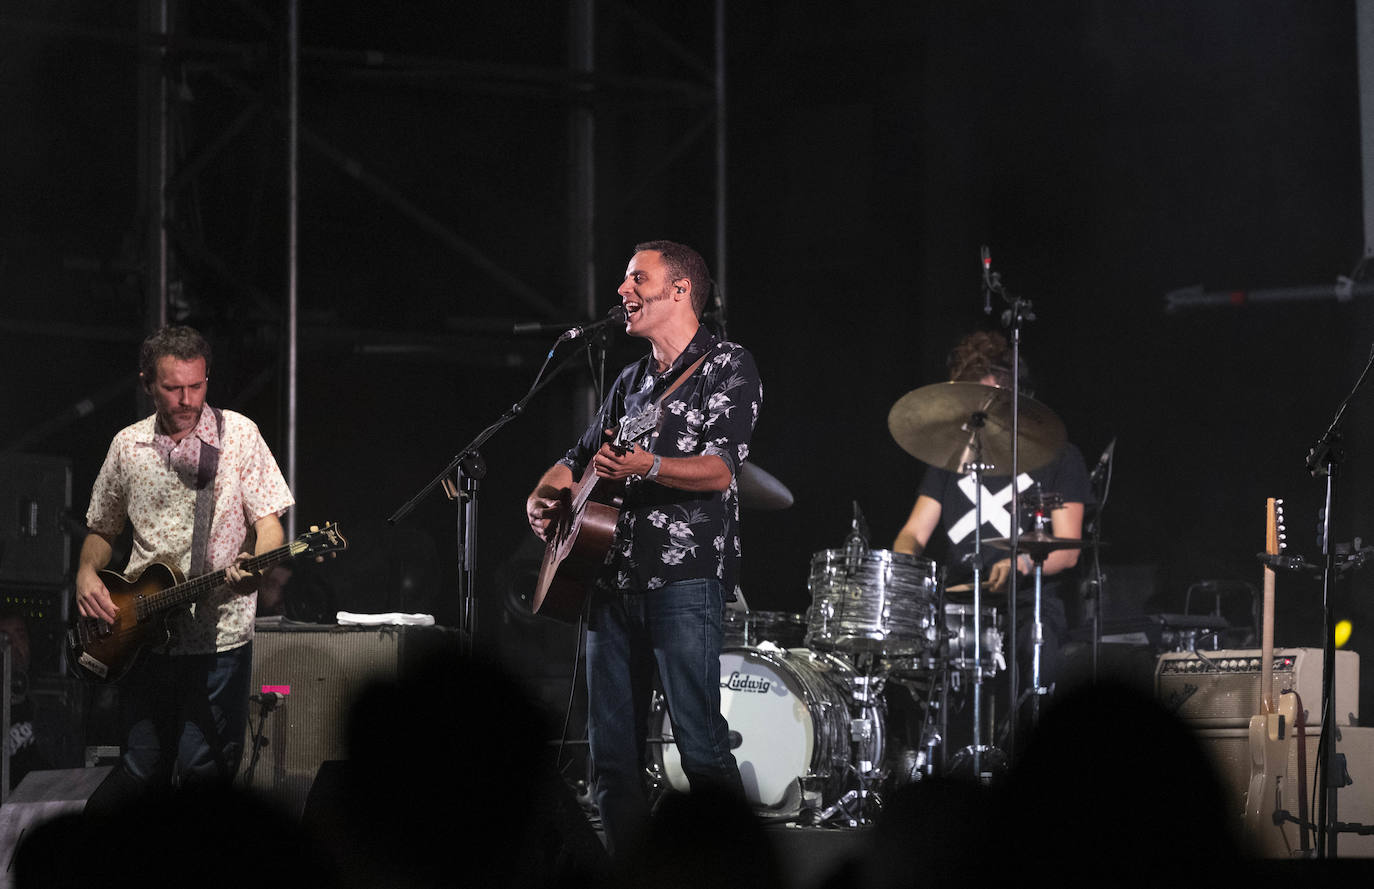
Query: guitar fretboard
[[191, 590]]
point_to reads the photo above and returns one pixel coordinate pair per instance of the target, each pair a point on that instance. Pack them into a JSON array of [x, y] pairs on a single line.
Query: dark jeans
[[676, 629], [184, 719]]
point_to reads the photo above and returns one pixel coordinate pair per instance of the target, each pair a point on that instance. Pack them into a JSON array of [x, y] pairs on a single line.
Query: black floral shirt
[[664, 534]]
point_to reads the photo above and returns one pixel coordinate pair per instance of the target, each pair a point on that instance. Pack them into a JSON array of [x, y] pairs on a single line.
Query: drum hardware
[[1038, 544]]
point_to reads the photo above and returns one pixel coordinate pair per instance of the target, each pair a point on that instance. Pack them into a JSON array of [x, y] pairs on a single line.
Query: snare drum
[[959, 627], [745, 629], [791, 712], [872, 600]]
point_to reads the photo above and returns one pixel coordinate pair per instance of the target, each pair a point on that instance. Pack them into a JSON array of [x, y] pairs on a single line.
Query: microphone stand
[[1324, 460], [461, 479], [1095, 535]]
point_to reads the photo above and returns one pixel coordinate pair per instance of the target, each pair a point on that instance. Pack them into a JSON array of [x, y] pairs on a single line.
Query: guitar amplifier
[[1220, 689], [319, 669]]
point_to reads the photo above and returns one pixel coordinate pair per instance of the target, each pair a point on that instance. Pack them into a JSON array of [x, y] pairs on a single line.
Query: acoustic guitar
[[103, 652], [577, 543]]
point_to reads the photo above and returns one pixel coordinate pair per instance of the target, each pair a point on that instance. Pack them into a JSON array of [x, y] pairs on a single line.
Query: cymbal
[[934, 425], [760, 490], [1036, 543]]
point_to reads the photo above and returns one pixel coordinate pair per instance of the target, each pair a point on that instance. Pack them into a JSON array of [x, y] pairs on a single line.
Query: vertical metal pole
[[6, 702], [721, 156], [293, 35], [155, 18], [1364, 31], [582, 160]]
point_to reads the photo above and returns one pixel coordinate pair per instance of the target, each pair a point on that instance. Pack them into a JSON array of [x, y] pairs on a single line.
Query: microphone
[[269, 700], [616, 315], [1102, 462], [987, 281]]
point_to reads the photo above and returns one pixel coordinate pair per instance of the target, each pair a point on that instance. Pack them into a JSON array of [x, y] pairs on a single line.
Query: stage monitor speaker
[[35, 495], [1220, 689], [319, 670], [42, 796], [1229, 751]]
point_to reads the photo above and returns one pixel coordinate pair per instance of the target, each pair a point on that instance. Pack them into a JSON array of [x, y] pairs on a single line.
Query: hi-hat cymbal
[[759, 490], [937, 424], [1036, 544]]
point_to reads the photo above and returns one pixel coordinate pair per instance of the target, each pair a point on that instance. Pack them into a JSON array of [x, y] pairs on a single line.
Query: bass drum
[[791, 712]]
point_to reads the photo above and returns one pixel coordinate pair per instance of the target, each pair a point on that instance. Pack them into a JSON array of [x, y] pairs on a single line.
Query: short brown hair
[[684, 262], [985, 353], [180, 342]]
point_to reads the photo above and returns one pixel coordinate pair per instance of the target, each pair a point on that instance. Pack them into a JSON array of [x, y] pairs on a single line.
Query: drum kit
[[807, 696]]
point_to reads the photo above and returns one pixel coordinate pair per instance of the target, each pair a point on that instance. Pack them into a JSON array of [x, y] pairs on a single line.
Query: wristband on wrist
[[653, 470]]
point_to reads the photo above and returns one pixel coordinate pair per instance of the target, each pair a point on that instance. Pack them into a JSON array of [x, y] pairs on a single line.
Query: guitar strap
[[205, 499], [682, 378]]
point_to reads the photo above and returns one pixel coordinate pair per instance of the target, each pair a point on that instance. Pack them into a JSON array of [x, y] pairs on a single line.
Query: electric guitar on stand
[[1272, 730]]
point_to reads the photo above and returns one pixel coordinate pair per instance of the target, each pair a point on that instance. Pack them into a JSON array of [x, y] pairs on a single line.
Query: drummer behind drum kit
[[805, 696]]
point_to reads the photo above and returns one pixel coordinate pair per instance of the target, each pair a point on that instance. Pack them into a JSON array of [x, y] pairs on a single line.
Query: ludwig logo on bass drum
[[738, 681]]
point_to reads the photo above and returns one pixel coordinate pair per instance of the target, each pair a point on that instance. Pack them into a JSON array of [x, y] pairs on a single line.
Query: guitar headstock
[[1275, 536], [631, 428], [319, 541]]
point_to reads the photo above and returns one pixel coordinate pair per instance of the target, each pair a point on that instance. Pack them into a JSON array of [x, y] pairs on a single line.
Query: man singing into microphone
[[672, 564]]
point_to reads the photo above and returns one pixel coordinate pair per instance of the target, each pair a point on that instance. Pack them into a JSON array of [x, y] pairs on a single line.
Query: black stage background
[[1108, 153]]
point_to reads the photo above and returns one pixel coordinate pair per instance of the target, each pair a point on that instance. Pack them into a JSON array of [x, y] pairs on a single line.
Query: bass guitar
[[1272, 728], [104, 652]]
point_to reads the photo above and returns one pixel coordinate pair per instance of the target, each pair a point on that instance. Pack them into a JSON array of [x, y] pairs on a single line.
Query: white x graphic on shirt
[[994, 507]]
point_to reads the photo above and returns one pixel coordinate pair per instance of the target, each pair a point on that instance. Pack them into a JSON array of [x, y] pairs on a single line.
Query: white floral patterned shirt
[[149, 480], [664, 534]]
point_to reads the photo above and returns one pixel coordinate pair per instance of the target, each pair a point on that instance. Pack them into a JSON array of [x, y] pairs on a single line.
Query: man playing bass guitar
[[203, 493], [658, 596]]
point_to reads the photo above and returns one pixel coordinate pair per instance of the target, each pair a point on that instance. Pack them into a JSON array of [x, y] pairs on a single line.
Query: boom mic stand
[[1017, 313], [1324, 460], [461, 479]]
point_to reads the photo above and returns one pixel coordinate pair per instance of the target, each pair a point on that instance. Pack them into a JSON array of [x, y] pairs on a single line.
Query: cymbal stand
[[1038, 557], [975, 468]]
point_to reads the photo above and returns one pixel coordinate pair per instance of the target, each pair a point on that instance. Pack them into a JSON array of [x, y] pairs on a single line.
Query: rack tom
[[872, 601]]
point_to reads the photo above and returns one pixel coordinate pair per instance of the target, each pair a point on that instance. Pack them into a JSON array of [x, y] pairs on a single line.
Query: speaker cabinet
[[42, 796], [319, 671], [35, 494], [1229, 750]]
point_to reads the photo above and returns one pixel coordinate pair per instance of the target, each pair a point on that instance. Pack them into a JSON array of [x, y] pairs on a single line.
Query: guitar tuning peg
[[314, 528]]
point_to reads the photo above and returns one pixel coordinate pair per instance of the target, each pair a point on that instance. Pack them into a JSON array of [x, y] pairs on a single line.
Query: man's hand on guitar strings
[[542, 513], [93, 599]]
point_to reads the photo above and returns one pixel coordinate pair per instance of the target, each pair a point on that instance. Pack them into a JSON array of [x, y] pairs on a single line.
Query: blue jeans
[[676, 629], [187, 712]]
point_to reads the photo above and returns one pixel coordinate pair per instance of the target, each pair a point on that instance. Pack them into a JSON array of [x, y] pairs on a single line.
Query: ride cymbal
[[939, 424]]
